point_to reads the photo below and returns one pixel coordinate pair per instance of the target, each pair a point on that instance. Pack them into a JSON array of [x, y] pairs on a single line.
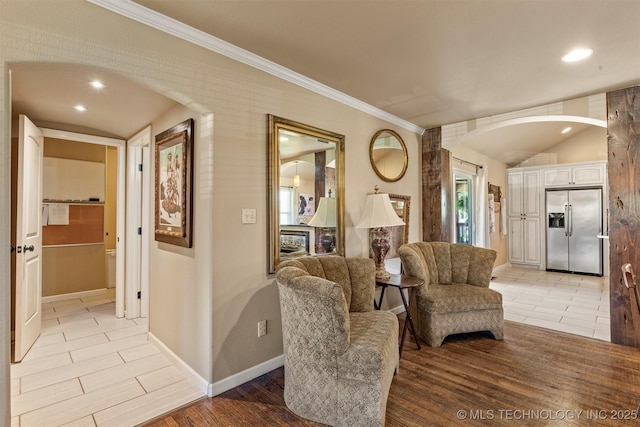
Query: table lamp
[[379, 215], [325, 218]]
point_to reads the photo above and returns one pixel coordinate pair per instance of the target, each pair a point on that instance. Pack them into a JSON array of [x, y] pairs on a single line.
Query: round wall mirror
[[388, 155]]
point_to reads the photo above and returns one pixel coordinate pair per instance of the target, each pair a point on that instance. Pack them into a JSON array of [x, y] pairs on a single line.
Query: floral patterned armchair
[[340, 353], [455, 297]]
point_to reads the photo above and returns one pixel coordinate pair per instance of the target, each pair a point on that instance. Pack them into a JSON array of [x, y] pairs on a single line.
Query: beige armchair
[[340, 354], [455, 297]]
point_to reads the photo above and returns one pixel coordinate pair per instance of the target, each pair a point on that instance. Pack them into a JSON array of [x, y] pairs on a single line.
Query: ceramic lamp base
[[379, 248]]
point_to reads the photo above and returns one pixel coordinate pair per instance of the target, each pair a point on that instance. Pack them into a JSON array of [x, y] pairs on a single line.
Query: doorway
[[463, 208]]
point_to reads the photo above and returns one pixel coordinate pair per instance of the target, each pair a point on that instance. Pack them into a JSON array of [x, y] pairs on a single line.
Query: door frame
[[138, 208], [120, 144]]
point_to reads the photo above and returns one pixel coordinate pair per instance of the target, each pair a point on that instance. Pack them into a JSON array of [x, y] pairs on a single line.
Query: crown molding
[[143, 15]]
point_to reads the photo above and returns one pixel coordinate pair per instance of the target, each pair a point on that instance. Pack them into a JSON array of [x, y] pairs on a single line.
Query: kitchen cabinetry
[[523, 211], [580, 174]]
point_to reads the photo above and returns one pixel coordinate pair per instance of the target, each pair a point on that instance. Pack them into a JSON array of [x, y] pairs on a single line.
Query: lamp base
[[379, 248]]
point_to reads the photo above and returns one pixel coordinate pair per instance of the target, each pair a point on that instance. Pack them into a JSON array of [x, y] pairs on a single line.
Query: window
[[287, 206]]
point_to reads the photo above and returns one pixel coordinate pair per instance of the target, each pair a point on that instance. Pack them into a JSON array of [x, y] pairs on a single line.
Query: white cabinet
[[523, 211], [524, 240], [578, 174]]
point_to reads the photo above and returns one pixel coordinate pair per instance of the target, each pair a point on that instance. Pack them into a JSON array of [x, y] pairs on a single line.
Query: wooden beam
[[623, 130], [436, 188]]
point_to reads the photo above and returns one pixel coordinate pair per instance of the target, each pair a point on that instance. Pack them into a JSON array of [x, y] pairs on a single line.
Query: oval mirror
[[306, 191], [388, 155]]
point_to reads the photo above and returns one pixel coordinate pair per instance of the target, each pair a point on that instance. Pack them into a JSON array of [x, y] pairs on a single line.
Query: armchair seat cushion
[[458, 297], [374, 341]]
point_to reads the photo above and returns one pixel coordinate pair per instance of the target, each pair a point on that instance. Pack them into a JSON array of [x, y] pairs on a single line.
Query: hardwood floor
[[533, 377]]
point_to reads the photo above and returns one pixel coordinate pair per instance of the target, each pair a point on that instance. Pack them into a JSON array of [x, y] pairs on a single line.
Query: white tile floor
[[572, 303], [89, 368]]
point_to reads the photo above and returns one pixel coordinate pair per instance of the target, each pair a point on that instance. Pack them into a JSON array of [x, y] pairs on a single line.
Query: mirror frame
[[404, 152], [275, 124], [405, 213]]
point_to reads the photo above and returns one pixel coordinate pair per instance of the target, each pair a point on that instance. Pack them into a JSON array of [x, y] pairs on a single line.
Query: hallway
[[89, 368]]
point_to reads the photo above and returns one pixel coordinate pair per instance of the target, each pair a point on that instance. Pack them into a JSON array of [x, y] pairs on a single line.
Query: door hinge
[[140, 167], [139, 294], [140, 231]]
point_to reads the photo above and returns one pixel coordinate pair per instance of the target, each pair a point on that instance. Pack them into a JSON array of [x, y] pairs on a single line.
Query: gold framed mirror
[[388, 155], [400, 234], [306, 191]]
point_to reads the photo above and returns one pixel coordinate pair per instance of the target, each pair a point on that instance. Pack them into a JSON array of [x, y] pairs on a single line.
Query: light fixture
[[80, 107], [325, 218], [577, 55], [96, 84], [378, 216], [296, 177], [566, 130]]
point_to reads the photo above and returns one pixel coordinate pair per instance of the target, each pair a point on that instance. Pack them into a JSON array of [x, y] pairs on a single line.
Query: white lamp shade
[[325, 215], [378, 212]]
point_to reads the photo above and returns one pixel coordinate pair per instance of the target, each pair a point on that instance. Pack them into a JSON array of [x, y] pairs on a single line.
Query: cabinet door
[[531, 193], [531, 231], [588, 174], [514, 193], [516, 247], [557, 177]]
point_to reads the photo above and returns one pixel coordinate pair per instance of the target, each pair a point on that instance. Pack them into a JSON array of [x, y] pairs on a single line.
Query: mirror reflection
[[306, 191], [388, 155]]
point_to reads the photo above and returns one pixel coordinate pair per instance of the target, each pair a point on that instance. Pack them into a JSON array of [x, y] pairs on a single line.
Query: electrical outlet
[[262, 328]]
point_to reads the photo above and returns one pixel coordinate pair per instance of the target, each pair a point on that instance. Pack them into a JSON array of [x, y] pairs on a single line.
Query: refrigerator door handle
[[566, 220], [570, 221]]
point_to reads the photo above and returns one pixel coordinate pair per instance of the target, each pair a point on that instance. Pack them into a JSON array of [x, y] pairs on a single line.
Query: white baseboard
[[196, 379], [397, 310], [82, 294], [213, 389], [247, 375]]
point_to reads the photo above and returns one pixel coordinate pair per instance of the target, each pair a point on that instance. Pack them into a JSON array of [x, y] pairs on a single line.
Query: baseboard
[[247, 375], [397, 310], [501, 267], [72, 295], [196, 379]]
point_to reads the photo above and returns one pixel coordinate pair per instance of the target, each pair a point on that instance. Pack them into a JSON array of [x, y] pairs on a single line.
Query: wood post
[[436, 188], [623, 130]]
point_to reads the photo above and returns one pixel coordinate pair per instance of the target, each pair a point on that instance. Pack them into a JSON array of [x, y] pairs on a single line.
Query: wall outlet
[[262, 328]]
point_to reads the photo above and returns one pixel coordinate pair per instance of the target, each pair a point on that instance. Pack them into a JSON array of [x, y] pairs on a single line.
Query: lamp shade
[[378, 212], [325, 215]]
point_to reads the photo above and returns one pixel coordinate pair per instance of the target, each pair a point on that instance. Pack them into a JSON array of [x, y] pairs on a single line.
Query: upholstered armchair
[[455, 297], [340, 353]]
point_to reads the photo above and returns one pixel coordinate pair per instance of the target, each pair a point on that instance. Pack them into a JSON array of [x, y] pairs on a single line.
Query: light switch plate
[[248, 216]]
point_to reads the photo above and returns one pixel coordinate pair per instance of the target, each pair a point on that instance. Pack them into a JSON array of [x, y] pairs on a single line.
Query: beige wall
[[587, 146], [70, 269], [205, 301]]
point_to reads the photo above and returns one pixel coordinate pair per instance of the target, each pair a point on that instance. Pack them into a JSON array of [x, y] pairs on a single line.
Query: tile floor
[[89, 368], [573, 303]]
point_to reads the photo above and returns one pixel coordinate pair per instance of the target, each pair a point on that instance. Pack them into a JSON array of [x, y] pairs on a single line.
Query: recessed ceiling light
[[80, 108], [97, 84], [566, 130], [577, 55]]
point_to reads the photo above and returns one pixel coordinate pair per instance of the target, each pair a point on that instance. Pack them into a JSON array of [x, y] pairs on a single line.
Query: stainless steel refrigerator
[[574, 220]]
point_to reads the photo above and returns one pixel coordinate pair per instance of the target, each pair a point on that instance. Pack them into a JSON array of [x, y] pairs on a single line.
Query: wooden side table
[[401, 282]]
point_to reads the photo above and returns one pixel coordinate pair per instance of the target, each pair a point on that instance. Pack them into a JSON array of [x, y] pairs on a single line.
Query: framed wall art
[[174, 185]]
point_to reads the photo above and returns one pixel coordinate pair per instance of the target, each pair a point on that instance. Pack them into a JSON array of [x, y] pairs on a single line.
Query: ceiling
[[428, 62]]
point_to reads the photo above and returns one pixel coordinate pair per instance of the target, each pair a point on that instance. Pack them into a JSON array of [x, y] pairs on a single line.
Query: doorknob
[[13, 248], [28, 248]]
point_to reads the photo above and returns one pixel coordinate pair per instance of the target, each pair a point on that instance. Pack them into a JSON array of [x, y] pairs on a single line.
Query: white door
[[28, 237]]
